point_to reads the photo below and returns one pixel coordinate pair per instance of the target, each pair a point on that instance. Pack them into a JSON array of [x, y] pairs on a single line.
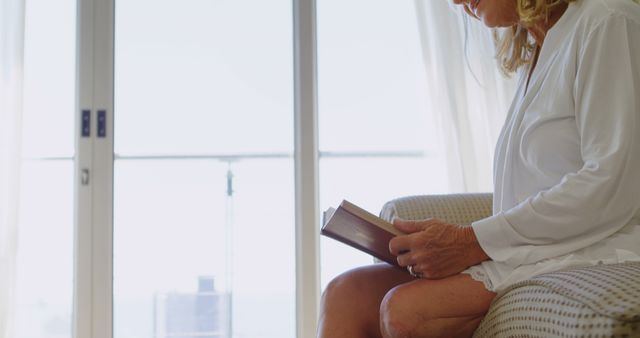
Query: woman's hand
[[436, 249]]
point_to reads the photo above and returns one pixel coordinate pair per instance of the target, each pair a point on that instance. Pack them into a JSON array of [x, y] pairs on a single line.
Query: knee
[[399, 319], [344, 287], [395, 321]]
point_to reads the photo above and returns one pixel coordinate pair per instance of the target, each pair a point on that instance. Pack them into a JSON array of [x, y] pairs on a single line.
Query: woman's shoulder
[[592, 15], [595, 12]]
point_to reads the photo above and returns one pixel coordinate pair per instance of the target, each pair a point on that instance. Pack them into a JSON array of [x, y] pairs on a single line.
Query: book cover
[[360, 229]]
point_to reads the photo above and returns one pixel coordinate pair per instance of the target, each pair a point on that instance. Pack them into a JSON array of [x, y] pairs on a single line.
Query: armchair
[[594, 301]]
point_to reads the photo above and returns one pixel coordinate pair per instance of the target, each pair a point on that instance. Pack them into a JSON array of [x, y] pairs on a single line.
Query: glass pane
[[372, 84], [204, 79], [373, 98], [49, 78], [264, 249], [203, 76], [185, 248], [44, 280], [44, 283], [169, 244], [370, 183]]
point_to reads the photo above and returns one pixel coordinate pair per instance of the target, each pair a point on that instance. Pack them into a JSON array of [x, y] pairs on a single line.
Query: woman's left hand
[[436, 249]]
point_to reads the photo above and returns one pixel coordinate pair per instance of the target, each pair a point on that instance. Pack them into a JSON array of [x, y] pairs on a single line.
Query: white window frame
[[93, 192], [306, 167], [93, 263]]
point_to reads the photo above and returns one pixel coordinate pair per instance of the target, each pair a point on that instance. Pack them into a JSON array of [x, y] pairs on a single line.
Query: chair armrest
[[462, 209]]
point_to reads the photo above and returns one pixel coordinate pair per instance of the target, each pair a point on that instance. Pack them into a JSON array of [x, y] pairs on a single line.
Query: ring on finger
[[413, 273]]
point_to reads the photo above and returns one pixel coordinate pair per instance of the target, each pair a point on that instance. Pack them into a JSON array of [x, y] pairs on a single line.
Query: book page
[[356, 210], [326, 215]]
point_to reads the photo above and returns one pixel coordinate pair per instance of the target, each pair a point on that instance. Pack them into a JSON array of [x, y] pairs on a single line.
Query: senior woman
[[566, 178]]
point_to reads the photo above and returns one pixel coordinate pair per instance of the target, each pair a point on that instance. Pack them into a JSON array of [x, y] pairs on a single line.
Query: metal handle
[[84, 177]]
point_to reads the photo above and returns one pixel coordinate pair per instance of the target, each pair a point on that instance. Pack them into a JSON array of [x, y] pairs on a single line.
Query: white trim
[[102, 206], [93, 268], [83, 256], [306, 168]]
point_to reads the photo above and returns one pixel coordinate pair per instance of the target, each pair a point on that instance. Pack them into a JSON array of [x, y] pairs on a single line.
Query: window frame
[[94, 169], [93, 177]]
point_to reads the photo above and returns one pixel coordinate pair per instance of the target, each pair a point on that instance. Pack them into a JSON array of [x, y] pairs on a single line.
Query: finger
[[418, 271], [427, 271], [399, 245], [406, 259], [419, 259], [408, 227]]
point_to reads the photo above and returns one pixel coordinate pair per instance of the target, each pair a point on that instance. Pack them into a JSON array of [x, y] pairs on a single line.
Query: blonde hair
[[514, 46]]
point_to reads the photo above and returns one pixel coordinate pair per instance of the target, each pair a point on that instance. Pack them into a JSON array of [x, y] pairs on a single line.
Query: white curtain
[[11, 57], [469, 96]]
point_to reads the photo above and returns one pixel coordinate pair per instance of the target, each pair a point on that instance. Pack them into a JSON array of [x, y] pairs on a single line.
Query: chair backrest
[[462, 209]]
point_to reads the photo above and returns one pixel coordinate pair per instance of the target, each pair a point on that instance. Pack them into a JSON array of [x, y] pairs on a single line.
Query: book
[[360, 229]]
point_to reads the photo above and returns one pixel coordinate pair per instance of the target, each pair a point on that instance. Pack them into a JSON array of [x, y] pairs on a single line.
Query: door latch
[[84, 177]]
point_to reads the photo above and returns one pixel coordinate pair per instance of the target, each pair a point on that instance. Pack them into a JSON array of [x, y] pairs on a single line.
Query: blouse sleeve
[[604, 195]]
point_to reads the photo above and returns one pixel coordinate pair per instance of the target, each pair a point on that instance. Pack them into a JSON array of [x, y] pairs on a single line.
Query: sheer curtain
[[468, 94], [11, 57]]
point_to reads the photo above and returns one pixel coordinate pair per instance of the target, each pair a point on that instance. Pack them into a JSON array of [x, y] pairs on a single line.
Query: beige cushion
[[595, 301], [460, 209]]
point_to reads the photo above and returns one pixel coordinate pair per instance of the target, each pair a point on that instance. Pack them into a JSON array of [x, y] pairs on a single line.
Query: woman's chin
[[492, 22]]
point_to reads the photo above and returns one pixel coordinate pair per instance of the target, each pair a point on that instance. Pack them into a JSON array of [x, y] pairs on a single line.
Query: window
[[377, 140], [44, 285], [203, 200], [202, 152]]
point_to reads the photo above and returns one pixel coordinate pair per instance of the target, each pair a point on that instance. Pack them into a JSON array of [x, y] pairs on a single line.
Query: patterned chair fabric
[[460, 209], [595, 301]]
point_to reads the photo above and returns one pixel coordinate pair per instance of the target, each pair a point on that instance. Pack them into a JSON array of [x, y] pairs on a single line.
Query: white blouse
[[567, 163]]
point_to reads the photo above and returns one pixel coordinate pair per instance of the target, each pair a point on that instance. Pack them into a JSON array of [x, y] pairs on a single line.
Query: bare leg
[[449, 307], [383, 301], [351, 302]]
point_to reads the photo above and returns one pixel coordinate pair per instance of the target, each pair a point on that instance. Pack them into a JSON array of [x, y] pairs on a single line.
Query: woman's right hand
[[435, 249]]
